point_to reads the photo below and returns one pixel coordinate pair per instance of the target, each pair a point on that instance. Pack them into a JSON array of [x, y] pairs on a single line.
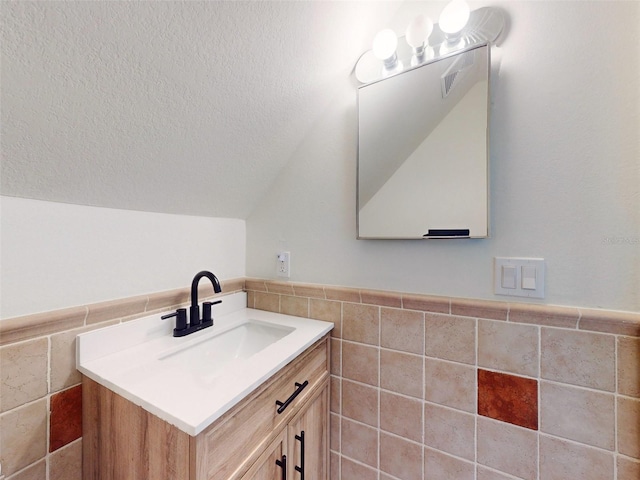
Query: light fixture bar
[[483, 26]]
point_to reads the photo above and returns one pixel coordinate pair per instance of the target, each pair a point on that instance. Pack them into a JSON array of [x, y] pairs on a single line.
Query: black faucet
[[196, 323]]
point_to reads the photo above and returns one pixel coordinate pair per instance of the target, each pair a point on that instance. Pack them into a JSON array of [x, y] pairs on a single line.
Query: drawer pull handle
[[299, 387], [283, 465], [300, 468]]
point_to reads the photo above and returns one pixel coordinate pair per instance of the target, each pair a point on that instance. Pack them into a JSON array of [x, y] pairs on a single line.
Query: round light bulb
[[385, 44], [418, 31], [454, 17]]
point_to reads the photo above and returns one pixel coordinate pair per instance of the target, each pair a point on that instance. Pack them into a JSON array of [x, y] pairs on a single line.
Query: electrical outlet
[[283, 264]]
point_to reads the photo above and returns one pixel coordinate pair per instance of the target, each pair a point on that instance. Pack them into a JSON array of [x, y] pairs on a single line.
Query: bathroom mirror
[[423, 151]]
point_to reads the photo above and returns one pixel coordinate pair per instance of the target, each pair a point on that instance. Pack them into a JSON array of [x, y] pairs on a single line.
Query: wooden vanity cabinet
[[308, 433], [122, 440]]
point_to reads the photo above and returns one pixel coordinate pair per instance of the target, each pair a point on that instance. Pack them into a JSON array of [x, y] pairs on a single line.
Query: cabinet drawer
[[232, 443]]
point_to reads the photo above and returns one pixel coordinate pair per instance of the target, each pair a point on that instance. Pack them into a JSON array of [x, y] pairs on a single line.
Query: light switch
[[519, 277], [509, 276], [529, 277]]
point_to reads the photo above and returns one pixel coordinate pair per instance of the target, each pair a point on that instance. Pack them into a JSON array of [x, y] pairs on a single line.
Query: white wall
[[565, 172], [56, 255]]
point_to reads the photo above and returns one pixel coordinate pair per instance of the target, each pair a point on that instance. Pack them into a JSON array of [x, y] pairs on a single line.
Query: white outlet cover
[[283, 264]]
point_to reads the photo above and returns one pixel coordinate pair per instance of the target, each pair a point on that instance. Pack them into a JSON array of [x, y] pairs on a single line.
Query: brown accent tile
[[126, 307], [629, 427], [450, 338], [336, 394], [328, 311], [426, 303], [359, 442], [619, 323], [360, 402], [311, 291], [401, 416], [547, 315], [508, 448], [449, 430], [23, 436], [508, 347], [37, 471], [353, 470], [578, 358], [561, 460], [283, 288], [66, 463], [336, 357], [255, 285], [360, 323], [402, 330], [169, 298], [508, 398], [381, 298], [578, 414], [627, 469], [629, 366], [360, 363], [17, 329], [440, 466], [401, 373], [334, 427], [450, 384], [296, 306], [267, 301], [400, 458], [342, 294], [23, 372], [485, 474], [66, 417], [466, 307]]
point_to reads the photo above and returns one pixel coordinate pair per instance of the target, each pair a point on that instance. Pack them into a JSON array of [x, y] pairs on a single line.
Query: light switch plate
[[534, 268]]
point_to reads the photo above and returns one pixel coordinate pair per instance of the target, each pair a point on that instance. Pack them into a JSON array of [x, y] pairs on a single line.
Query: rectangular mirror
[[423, 151]]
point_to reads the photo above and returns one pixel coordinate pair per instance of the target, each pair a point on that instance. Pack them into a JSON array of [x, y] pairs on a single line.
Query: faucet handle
[[181, 319], [206, 310]]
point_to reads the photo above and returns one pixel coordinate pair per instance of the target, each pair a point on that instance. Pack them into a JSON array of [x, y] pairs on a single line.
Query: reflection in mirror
[[423, 150]]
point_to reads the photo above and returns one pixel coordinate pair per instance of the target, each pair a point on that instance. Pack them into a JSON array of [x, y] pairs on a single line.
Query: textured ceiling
[[178, 107]]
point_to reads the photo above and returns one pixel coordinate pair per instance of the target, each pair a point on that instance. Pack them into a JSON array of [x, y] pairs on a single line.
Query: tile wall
[[40, 391], [422, 387], [441, 388]]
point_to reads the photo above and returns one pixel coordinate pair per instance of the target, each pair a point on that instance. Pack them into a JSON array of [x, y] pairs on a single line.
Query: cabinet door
[[308, 440], [272, 463]]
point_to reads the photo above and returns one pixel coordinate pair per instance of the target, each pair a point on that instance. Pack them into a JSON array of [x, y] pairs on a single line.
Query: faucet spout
[[195, 308]]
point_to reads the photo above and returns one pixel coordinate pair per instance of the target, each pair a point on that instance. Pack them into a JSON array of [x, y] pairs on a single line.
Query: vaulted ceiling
[[178, 107]]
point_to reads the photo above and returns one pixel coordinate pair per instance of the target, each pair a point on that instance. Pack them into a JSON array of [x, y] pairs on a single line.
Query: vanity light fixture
[[458, 29], [453, 19], [384, 48], [417, 35]]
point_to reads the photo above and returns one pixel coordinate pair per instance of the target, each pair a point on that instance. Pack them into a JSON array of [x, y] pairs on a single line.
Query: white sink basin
[[191, 381], [208, 356]]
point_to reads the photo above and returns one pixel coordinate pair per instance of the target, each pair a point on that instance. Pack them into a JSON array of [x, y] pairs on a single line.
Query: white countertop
[[130, 359]]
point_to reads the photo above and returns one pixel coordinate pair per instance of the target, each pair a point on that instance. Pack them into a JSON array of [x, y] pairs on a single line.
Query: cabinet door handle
[[283, 465], [283, 405], [300, 468]]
